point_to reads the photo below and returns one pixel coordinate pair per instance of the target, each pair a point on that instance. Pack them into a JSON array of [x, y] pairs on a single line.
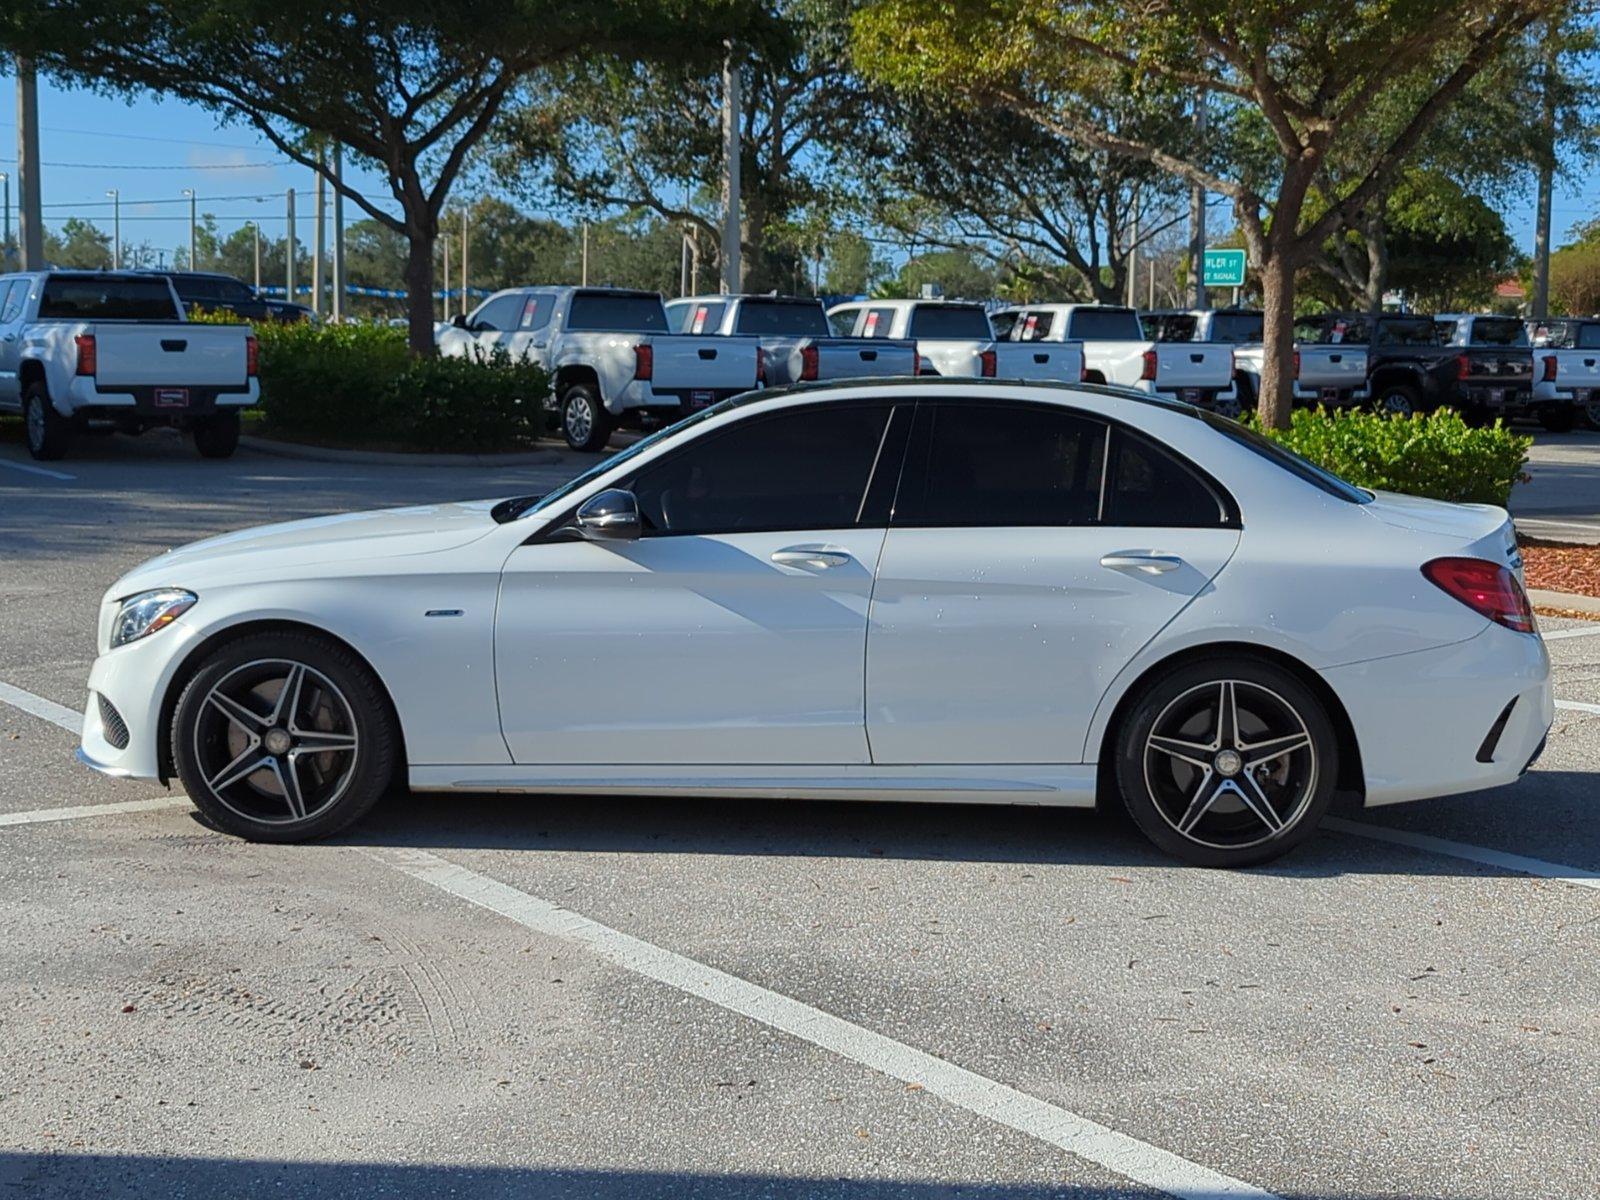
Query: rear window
[[1236, 328], [1105, 325], [936, 321], [90, 298], [1289, 461], [781, 318], [622, 314], [1169, 327], [1499, 331], [1420, 332]]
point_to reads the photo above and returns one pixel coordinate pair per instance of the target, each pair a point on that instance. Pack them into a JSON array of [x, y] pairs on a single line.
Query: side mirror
[[459, 321], [612, 516]]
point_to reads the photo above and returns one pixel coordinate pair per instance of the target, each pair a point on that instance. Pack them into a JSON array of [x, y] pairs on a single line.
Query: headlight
[[141, 615]]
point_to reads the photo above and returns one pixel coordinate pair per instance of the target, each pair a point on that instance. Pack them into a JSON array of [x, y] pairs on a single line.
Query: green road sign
[[1224, 268]]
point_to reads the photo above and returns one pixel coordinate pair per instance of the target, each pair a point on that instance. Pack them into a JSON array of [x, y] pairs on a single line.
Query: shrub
[[1435, 454], [357, 384]]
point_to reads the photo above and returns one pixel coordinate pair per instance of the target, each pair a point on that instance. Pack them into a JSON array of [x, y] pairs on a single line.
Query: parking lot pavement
[[577, 997], [1562, 500]]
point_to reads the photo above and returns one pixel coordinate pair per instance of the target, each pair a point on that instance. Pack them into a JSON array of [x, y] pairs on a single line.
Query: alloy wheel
[[35, 424], [1395, 404], [276, 741], [1230, 765], [580, 422]]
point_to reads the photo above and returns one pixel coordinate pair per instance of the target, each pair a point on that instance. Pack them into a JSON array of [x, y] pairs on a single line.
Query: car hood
[[345, 537]]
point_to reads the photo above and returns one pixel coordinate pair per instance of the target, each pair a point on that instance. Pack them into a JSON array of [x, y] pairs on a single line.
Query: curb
[[1570, 601], [390, 458]]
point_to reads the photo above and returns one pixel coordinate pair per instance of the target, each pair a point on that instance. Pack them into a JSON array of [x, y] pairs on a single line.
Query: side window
[[801, 469], [843, 321], [12, 293], [705, 319], [1147, 486], [1002, 465], [536, 310], [1003, 322], [1036, 326], [878, 323], [499, 314]]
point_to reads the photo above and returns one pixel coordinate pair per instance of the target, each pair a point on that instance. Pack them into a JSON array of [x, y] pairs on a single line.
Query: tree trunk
[[1277, 361], [1377, 239], [419, 292]]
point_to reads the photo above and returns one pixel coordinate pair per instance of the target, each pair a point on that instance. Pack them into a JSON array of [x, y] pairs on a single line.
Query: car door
[[530, 339], [1034, 550], [493, 321], [13, 300], [734, 630]]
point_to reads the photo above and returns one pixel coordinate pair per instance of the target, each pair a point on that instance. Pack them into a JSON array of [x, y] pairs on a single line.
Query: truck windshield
[[96, 298], [1105, 325], [1499, 331], [605, 313], [939, 321], [784, 318]]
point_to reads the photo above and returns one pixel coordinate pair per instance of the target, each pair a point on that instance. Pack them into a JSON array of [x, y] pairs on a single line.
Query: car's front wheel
[[1227, 762], [284, 737]]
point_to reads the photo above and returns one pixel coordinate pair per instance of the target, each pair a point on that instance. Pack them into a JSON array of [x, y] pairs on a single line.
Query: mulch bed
[[1561, 566]]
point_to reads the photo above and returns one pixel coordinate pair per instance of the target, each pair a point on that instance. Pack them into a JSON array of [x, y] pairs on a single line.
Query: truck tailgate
[[1057, 362], [170, 354], [856, 358], [687, 362], [1193, 365], [1341, 368]]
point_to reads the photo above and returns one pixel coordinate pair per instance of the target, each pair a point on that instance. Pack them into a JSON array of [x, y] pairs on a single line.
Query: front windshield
[[550, 499]]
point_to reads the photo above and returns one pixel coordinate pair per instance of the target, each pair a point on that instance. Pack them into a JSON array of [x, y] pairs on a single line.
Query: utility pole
[[31, 214], [319, 243], [585, 273], [288, 257], [732, 111], [1132, 265], [1197, 215], [194, 261], [445, 242], [683, 263], [5, 238], [338, 232], [116, 229], [464, 260], [255, 228], [1547, 171]]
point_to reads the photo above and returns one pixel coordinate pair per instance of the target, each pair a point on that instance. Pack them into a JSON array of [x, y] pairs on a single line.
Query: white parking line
[[1556, 635], [1478, 854], [38, 706], [33, 470], [1118, 1152], [1578, 706], [41, 815]]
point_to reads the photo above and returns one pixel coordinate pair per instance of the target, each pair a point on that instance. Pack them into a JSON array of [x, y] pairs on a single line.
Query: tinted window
[[1003, 322], [1588, 337], [1170, 327], [106, 298], [1036, 326], [1418, 332], [536, 311], [1148, 486], [1347, 331], [500, 313], [878, 322], [197, 287], [781, 317], [1002, 465], [1105, 325], [1498, 331], [1236, 328], [805, 468], [937, 321], [624, 314], [842, 321], [1286, 459], [704, 318]]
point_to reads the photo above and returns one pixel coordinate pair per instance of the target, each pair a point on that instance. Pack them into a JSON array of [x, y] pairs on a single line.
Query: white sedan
[[915, 590]]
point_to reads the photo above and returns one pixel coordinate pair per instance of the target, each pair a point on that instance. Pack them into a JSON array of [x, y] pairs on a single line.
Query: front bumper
[[134, 679], [1422, 719]]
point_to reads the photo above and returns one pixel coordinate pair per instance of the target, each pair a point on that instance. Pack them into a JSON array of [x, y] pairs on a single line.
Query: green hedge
[[1435, 454], [356, 384]]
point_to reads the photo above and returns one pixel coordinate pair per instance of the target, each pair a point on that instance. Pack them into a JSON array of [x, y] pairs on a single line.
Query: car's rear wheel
[[1591, 411], [217, 436], [1561, 418], [49, 433], [584, 420], [1227, 762], [284, 737], [1396, 400]]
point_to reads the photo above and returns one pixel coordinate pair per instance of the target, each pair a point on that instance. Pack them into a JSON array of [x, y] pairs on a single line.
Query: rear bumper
[[85, 396], [642, 394], [1306, 394], [1423, 719], [1514, 399]]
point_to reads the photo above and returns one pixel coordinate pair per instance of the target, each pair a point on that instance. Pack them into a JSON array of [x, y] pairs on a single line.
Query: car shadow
[[940, 832]]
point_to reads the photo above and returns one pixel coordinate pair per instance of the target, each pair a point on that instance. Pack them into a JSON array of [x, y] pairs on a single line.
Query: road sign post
[[1223, 268]]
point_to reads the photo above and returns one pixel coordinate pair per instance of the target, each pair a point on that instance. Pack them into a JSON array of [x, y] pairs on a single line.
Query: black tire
[[1396, 400], [1591, 412], [339, 698], [585, 423], [217, 436], [1561, 418], [1164, 787], [49, 434]]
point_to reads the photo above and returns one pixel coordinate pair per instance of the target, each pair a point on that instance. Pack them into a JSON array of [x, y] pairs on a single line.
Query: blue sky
[[150, 150]]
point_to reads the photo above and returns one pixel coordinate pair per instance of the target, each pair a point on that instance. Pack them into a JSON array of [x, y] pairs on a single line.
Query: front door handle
[[818, 558], [1147, 561]]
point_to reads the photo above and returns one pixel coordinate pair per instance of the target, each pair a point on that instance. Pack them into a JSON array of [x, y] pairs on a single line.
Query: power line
[[145, 137], [250, 166]]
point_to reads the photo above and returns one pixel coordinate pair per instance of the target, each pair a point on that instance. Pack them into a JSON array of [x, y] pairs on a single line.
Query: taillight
[[252, 357], [1485, 587], [1463, 366], [1083, 370], [1149, 370], [87, 355], [987, 363], [808, 362], [761, 367], [644, 361], [1297, 364], [1550, 368], [1233, 366]]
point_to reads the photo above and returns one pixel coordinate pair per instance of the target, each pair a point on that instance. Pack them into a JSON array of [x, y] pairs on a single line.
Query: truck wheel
[[1396, 400], [1591, 412], [49, 433], [1232, 409], [584, 420], [1561, 418], [218, 436]]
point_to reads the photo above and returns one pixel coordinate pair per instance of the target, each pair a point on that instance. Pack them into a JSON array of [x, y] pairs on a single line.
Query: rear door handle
[[1147, 561], [818, 558]]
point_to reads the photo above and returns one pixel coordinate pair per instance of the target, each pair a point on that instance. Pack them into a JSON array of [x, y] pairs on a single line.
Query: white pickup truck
[[1327, 375], [796, 344], [1566, 363], [1116, 350], [82, 350], [612, 356], [955, 338]]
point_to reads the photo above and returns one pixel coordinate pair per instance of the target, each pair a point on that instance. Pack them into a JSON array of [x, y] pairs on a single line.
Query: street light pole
[[116, 229], [338, 232], [319, 242], [5, 238], [288, 270], [463, 261], [255, 228], [194, 264]]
